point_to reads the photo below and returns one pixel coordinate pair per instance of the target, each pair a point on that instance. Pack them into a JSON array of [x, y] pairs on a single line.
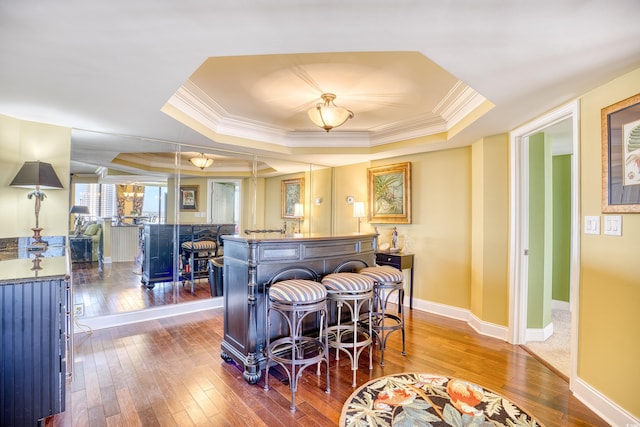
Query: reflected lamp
[[358, 212], [298, 212]]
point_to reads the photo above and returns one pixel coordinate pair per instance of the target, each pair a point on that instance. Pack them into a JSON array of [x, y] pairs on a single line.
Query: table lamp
[[78, 211], [37, 176], [358, 212], [298, 212]]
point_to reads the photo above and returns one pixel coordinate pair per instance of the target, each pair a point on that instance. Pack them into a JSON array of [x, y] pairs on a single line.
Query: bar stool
[[295, 299], [353, 291], [388, 281]]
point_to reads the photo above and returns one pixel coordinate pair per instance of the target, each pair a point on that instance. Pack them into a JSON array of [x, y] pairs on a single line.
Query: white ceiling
[[109, 68]]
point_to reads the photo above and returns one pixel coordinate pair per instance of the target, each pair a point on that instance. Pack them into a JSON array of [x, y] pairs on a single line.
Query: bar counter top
[[295, 237]]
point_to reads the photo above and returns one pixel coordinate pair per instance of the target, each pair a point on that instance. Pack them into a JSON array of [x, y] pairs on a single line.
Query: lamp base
[[38, 244]]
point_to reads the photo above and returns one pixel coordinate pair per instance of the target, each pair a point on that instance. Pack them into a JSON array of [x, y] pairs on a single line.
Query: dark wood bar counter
[[249, 264]]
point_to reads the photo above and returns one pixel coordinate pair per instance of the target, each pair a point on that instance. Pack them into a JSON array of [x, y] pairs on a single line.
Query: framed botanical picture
[[621, 156], [292, 193], [189, 198], [390, 194]]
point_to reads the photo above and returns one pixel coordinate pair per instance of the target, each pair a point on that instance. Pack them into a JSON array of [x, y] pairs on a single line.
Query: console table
[[250, 262], [399, 260]]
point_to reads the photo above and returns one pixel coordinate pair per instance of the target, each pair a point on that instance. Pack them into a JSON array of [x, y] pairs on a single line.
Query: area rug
[[416, 399]]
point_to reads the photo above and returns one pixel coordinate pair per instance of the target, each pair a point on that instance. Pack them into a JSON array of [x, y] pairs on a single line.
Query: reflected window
[[102, 200]]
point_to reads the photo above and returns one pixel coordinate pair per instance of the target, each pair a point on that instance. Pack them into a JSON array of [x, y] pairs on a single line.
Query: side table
[[81, 247], [399, 260]]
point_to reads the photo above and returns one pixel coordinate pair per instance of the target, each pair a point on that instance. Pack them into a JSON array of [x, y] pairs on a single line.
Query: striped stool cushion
[[297, 291], [383, 274], [347, 282], [200, 246]]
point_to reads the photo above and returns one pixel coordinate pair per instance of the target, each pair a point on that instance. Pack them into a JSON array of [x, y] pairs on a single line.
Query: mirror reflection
[[151, 218]]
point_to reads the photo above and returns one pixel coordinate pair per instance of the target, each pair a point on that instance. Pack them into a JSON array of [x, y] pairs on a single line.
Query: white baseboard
[[480, 326], [102, 322], [442, 309], [603, 406], [539, 334], [488, 329], [560, 305]]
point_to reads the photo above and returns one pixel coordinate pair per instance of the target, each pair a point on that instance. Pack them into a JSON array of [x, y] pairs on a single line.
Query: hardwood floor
[[116, 288], [169, 372]]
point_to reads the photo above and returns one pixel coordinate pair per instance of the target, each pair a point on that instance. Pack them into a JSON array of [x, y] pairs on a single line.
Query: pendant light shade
[[201, 161], [329, 115]]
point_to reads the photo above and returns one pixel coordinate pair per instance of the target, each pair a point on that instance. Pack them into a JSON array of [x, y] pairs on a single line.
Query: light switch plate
[[613, 225], [592, 225]]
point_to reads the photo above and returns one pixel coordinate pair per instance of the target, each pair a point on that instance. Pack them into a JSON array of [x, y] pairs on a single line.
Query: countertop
[[18, 264]]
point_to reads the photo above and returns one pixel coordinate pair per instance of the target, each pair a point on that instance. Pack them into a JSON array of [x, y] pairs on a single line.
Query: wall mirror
[[131, 185]]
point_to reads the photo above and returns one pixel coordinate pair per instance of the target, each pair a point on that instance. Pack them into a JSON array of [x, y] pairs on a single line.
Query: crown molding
[[196, 104]]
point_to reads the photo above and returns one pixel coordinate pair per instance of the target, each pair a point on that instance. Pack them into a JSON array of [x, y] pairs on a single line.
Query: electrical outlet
[[78, 310]]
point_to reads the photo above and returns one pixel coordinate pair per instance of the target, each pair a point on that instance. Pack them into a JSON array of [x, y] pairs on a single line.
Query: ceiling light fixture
[[201, 161], [329, 115]]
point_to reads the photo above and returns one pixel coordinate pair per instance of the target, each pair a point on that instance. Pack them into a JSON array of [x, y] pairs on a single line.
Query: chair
[[388, 281], [295, 294], [354, 292], [196, 253]]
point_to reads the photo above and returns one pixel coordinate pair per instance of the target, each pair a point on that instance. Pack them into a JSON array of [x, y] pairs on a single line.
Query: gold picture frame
[[389, 189], [292, 193], [189, 197], [620, 124]]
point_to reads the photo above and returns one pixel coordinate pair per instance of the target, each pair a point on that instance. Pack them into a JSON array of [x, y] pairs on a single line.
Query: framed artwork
[[189, 197], [292, 193], [390, 194], [621, 156]]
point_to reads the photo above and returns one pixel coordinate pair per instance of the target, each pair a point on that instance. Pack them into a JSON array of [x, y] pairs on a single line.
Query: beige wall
[[22, 141], [441, 220], [490, 230], [608, 340]]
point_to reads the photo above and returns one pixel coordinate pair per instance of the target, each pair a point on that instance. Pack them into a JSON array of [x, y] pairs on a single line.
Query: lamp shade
[[79, 210], [201, 161], [329, 115], [36, 175], [298, 210], [358, 209]]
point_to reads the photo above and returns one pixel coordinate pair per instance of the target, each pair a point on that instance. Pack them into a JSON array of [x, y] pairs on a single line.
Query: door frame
[[519, 224], [238, 183]]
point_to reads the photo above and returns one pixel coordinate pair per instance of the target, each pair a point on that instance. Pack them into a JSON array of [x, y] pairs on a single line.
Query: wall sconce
[[358, 212], [37, 176], [201, 161], [298, 212]]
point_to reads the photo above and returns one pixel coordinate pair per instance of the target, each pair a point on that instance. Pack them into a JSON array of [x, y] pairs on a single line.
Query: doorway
[[532, 308], [224, 202]]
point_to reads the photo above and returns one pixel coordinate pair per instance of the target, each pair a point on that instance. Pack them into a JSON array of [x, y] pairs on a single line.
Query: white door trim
[[519, 220]]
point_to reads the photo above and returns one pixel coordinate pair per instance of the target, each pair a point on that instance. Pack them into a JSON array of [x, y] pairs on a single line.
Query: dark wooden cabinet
[[35, 324], [249, 263], [159, 244], [400, 261]]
